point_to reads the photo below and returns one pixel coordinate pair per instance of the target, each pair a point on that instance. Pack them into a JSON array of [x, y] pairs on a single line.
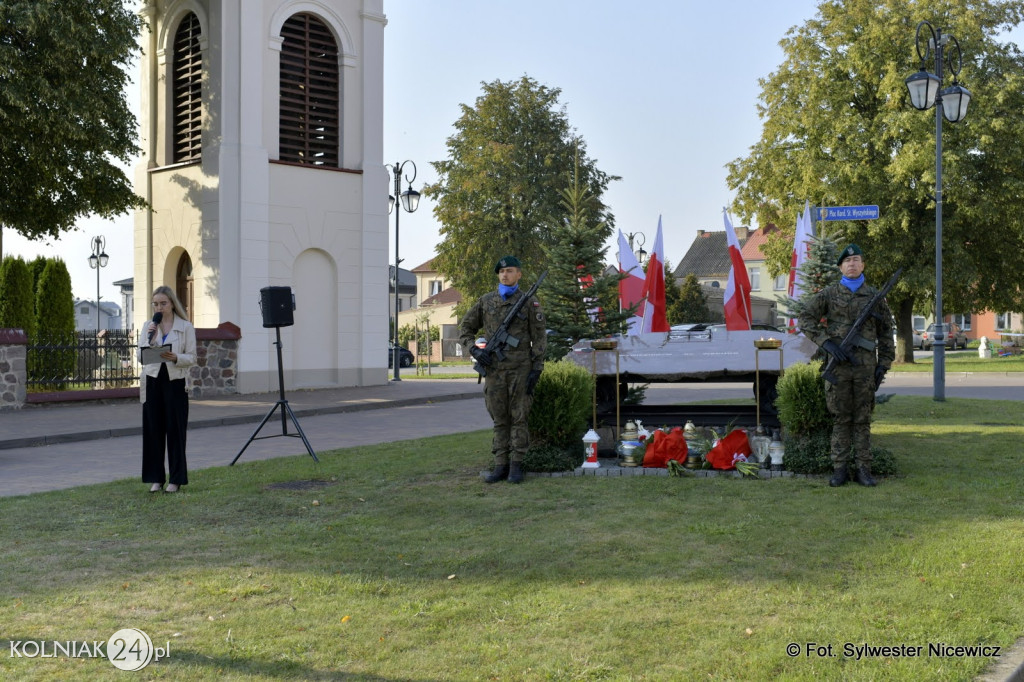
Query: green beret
[[508, 262], [851, 250]]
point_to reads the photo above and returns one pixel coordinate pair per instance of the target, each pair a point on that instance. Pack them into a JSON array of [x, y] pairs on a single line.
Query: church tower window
[[310, 85], [187, 91]]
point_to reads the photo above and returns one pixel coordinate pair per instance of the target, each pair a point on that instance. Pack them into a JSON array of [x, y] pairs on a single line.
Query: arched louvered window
[[309, 127], [187, 91]]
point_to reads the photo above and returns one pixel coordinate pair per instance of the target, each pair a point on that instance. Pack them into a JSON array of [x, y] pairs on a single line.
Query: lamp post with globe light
[[410, 200], [98, 260], [924, 88]]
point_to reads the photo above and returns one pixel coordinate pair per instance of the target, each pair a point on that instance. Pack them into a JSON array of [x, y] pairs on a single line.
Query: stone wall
[[215, 371], [13, 372], [216, 368]]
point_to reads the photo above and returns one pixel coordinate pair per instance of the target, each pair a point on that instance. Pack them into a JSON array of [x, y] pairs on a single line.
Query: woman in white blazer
[[165, 395]]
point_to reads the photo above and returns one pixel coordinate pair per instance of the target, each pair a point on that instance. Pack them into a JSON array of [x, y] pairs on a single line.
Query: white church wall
[[248, 222]]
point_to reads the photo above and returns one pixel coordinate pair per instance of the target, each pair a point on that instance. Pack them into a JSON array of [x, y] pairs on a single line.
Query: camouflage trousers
[[850, 401], [509, 407]]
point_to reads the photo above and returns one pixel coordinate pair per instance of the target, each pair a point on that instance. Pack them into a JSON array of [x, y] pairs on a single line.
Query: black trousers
[[164, 421]]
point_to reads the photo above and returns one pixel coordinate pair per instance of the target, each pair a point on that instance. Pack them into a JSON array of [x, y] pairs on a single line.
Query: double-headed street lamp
[[98, 260], [641, 255], [951, 102], [410, 199]]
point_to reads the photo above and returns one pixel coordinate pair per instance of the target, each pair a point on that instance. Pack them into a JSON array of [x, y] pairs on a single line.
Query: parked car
[[405, 356], [917, 342], [956, 338]]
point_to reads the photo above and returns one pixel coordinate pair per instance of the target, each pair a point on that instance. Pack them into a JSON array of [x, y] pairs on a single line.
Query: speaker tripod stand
[[286, 411]]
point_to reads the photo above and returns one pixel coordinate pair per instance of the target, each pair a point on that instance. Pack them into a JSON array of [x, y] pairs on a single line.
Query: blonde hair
[[179, 309]]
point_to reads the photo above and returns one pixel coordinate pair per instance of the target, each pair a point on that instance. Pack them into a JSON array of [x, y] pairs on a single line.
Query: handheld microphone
[[156, 320]]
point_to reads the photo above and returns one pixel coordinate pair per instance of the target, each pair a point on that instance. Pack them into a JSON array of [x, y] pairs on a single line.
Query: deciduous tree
[[64, 122], [838, 129], [499, 191]]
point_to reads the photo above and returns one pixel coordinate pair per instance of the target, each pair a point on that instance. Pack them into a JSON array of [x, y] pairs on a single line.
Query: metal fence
[[83, 360]]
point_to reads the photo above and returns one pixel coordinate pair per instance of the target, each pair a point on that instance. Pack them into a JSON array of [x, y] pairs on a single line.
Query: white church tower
[[262, 162]]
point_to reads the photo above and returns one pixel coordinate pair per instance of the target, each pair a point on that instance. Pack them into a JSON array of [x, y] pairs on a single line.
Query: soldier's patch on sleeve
[[540, 316]]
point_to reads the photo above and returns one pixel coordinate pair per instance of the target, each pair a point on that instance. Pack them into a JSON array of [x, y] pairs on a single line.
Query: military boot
[[500, 473], [515, 474], [840, 476], [864, 476]]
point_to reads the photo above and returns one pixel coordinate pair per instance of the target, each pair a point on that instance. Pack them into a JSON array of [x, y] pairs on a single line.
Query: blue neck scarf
[[507, 291], [852, 284]]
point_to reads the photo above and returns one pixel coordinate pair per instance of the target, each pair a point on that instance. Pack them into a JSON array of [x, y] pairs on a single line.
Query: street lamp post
[[641, 255], [410, 200], [952, 102], [98, 260]]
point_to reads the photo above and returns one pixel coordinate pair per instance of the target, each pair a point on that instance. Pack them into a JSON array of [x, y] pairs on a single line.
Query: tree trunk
[[904, 312]]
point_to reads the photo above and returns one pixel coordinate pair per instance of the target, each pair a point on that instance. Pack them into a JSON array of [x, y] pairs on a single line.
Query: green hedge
[[559, 417]]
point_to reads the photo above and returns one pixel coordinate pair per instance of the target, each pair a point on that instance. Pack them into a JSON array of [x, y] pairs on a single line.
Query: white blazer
[[182, 338]]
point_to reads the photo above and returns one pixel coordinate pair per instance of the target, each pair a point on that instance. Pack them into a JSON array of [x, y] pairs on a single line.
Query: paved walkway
[[54, 447]]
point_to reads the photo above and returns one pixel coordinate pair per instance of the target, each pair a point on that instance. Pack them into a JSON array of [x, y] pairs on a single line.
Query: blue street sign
[[848, 213]]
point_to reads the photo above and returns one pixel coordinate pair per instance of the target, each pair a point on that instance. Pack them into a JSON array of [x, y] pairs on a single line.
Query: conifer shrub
[[55, 327], [17, 298], [801, 400], [558, 418]]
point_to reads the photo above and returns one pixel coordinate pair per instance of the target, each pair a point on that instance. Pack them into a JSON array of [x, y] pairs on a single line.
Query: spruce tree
[[17, 301], [576, 253], [818, 271]]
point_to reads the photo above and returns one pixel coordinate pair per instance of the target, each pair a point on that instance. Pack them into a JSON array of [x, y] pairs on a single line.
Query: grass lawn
[[405, 566], [964, 362]]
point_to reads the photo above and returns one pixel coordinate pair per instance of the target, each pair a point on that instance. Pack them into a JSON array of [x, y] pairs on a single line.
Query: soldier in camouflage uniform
[[509, 384], [826, 321]]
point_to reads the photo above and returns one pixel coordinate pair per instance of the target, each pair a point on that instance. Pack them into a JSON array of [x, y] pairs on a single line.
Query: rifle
[[852, 336], [501, 339]]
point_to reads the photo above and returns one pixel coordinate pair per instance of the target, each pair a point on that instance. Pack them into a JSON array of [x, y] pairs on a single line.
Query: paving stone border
[[610, 469]]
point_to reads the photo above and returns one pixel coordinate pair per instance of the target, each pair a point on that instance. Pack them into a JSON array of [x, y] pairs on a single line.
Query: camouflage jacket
[[488, 313], [832, 311]]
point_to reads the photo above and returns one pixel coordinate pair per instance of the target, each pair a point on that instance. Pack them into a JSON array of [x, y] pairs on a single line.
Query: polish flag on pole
[[654, 288], [801, 246], [737, 291], [632, 287]]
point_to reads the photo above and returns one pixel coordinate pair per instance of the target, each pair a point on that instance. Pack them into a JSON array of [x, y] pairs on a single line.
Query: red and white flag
[[654, 288], [801, 246], [737, 291], [631, 289]]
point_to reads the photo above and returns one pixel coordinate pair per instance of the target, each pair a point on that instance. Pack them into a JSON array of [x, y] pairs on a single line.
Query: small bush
[[552, 458], [801, 401], [810, 454], [561, 406]]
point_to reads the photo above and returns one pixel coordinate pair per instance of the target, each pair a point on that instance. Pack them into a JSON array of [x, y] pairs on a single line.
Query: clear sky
[[664, 93]]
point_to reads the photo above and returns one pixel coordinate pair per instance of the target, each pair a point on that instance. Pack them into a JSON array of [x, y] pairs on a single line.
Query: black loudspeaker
[[277, 304]]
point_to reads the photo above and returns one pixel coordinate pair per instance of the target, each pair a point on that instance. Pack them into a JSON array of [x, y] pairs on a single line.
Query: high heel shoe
[[171, 488], [155, 488]]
